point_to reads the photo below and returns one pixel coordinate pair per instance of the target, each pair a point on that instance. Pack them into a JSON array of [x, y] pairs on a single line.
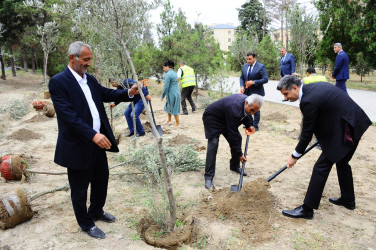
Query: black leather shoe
[[138, 135], [106, 217], [129, 135], [95, 232], [239, 170], [298, 212], [208, 183], [339, 202]]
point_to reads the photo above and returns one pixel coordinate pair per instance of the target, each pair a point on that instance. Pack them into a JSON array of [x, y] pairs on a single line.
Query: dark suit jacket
[[258, 75], [326, 110], [287, 66], [74, 148], [224, 117], [341, 66]]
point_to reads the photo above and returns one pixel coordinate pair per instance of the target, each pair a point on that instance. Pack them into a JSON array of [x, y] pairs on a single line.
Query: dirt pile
[[250, 210], [24, 134]]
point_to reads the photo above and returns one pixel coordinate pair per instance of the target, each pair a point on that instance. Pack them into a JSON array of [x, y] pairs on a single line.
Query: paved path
[[365, 99]]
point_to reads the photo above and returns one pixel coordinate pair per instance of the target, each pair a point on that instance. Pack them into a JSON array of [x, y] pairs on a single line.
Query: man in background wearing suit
[[252, 79], [287, 63], [84, 135], [341, 68], [338, 123]]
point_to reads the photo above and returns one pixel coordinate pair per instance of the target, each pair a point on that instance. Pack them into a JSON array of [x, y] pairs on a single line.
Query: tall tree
[[338, 19], [242, 44], [304, 29], [251, 17]]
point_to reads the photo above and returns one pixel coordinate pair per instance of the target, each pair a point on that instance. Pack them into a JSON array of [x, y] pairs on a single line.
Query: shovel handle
[[284, 168]]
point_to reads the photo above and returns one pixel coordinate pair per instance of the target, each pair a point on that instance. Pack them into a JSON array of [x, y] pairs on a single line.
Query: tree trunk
[[33, 65], [287, 31], [24, 59], [12, 61], [166, 174], [282, 7], [3, 76], [45, 60]]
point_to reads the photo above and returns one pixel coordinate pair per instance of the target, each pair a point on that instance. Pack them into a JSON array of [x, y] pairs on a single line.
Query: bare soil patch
[[251, 219]]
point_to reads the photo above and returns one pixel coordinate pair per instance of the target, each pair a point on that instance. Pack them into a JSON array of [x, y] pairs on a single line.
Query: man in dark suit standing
[[84, 135], [338, 123], [224, 117], [252, 79], [341, 68], [287, 63]]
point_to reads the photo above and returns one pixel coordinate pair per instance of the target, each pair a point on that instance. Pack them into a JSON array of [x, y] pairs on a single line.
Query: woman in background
[[172, 92]]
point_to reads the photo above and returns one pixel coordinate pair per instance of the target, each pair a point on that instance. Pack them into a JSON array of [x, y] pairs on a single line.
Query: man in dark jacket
[[84, 135], [223, 117], [338, 123]]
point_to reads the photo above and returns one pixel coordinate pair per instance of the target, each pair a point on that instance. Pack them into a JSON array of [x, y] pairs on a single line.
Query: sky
[[210, 12]]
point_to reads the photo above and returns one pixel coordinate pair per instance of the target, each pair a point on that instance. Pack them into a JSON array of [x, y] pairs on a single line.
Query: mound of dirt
[[275, 116], [251, 210], [38, 118], [24, 135]]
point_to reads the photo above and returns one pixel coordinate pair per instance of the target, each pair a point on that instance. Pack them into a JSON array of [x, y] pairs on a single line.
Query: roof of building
[[223, 26]]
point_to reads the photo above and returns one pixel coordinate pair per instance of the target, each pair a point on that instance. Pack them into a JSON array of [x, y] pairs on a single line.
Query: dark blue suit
[[224, 117], [75, 150], [341, 70], [287, 65], [260, 77]]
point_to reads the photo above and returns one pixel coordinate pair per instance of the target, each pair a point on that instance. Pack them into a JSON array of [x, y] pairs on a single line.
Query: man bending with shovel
[[338, 123], [223, 117]]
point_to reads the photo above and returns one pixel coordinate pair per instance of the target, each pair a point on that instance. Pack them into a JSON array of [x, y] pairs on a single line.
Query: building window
[[229, 40], [229, 32]]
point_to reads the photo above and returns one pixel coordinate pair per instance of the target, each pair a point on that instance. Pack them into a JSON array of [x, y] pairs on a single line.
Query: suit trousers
[[186, 93], [97, 175], [341, 84], [256, 119], [320, 175], [211, 155]]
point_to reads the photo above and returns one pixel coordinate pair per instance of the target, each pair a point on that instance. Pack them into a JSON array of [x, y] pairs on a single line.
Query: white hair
[[255, 98], [76, 48]]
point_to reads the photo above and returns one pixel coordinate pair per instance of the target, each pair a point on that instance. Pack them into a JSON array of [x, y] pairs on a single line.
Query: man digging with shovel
[[223, 117], [338, 123]]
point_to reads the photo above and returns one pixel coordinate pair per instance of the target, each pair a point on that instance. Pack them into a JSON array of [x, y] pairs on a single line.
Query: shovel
[[158, 127], [284, 168], [237, 188]]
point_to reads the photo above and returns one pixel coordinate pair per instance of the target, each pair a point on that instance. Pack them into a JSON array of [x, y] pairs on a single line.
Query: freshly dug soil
[[250, 209], [24, 134]]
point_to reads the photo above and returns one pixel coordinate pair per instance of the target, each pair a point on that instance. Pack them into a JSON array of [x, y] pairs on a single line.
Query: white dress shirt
[[93, 109]]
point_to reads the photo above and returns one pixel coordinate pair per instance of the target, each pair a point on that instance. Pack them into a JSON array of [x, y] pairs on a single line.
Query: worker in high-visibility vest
[[313, 77], [186, 76]]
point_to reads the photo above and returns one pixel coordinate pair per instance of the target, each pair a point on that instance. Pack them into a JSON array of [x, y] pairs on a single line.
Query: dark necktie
[[249, 72]]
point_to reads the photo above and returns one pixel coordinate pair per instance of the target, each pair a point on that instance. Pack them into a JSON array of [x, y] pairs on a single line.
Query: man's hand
[[250, 130], [333, 77], [291, 162], [148, 97], [248, 84], [102, 141], [241, 90], [133, 90], [242, 158], [112, 105]]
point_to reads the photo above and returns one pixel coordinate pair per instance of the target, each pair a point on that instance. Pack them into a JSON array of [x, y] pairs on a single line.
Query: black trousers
[[186, 93], [320, 175], [97, 175], [211, 155]]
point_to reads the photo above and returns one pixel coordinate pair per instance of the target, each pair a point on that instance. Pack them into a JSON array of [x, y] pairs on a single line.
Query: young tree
[[242, 44], [268, 54], [361, 67], [304, 29], [49, 35]]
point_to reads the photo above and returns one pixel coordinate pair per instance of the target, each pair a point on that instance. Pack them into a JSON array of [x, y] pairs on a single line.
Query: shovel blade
[[159, 130], [235, 188]]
